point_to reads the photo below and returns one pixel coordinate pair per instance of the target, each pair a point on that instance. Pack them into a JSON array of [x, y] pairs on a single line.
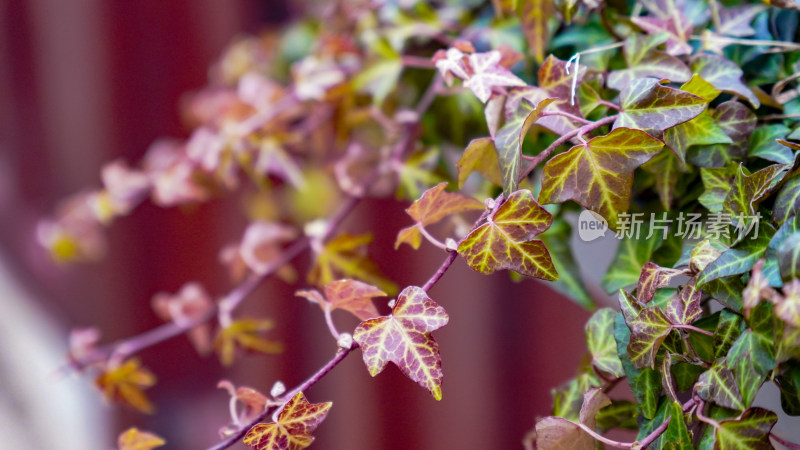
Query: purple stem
[[442, 269]]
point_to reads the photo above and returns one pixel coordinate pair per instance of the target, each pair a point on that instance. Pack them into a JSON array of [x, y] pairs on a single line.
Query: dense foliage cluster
[[675, 117]]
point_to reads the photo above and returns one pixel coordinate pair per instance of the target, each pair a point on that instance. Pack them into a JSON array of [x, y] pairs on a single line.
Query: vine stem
[[442, 269], [430, 237], [647, 440], [569, 116], [305, 385], [784, 442], [563, 139], [692, 328]]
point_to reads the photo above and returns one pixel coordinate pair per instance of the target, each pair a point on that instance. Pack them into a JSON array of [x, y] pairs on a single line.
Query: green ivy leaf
[[676, 436], [601, 344], [750, 358], [789, 384], [717, 183], [789, 257], [763, 144], [508, 141], [643, 61], [748, 431], [666, 168], [645, 384], [749, 189], [598, 175], [685, 375], [729, 327], [651, 107], [568, 398], [506, 241], [787, 203], [726, 290], [724, 74], [648, 330], [718, 385], [738, 122], [740, 258]]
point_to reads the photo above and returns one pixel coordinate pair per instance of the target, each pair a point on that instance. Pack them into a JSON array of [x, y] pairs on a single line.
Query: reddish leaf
[[598, 175], [738, 122], [436, 204], [653, 277], [350, 295], [261, 244], [125, 384], [506, 241], [648, 106], [648, 330], [134, 439], [685, 306], [294, 427], [676, 25], [404, 338], [191, 303], [482, 72], [724, 74], [643, 61], [244, 333], [409, 235], [533, 17]]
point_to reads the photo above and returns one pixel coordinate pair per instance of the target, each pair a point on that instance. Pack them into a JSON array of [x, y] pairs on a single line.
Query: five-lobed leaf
[[244, 333], [293, 429], [506, 240], [125, 383], [345, 256], [350, 295], [598, 175], [404, 338]]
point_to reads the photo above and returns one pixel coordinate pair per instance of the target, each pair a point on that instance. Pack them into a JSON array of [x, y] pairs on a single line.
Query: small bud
[[315, 228], [345, 340], [489, 202], [392, 302], [451, 244], [277, 389]]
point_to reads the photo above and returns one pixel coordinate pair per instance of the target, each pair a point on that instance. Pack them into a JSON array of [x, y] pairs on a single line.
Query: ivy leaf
[[789, 384], [643, 61], [125, 384], [598, 175], [666, 168], [750, 430], [735, 21], [346, 257], [632, 255], [409, 235], [676, 436], [350, 295], [568, 398], [789, 257], [533, 16], [787, 203], [645, 383], [436, 204], [508, 141], [701, 88], [750, 358], [134, 439], [685, 375], [674, 23], [729, 327], [554, 82], [704, 253], [685, 307], [764, 144], [569, 282], [738, 122], [481, 156], [506, 241], [404, 338], [601, 344], [717, 385], [244, 333], [651, 107], [749, 189], [648, 330], [560, 433], [293, 429], [653, 277], [738, 259], [717, 183], [724, 74]]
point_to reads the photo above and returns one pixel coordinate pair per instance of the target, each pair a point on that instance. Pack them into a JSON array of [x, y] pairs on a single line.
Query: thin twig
[[692, 328], [311, 381], [431, 238], [563, 139], [442, 269], [784, 442]]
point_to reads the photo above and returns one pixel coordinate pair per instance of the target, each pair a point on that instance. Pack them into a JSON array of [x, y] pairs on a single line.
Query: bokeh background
[[83, 82]]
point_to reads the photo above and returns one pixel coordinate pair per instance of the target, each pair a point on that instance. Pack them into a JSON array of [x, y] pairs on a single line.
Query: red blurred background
[[86, 82]]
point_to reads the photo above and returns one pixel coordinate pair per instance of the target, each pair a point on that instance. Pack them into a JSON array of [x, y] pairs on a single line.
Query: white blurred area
[[38, 411]]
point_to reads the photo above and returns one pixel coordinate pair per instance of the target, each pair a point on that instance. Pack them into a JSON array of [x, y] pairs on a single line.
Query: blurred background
[[85, 82]]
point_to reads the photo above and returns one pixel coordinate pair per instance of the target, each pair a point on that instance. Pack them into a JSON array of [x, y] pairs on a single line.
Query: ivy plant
[[671, 125]]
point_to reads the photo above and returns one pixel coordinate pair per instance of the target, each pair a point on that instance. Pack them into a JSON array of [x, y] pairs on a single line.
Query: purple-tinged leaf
[[750, 430], [533, 17], [685, 307], [717, 385], [738, 122], [404, 338], [676, 25], [293, 429], [724, 74], [598, 175], [648, 106], [735, 21], [648, 330]]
